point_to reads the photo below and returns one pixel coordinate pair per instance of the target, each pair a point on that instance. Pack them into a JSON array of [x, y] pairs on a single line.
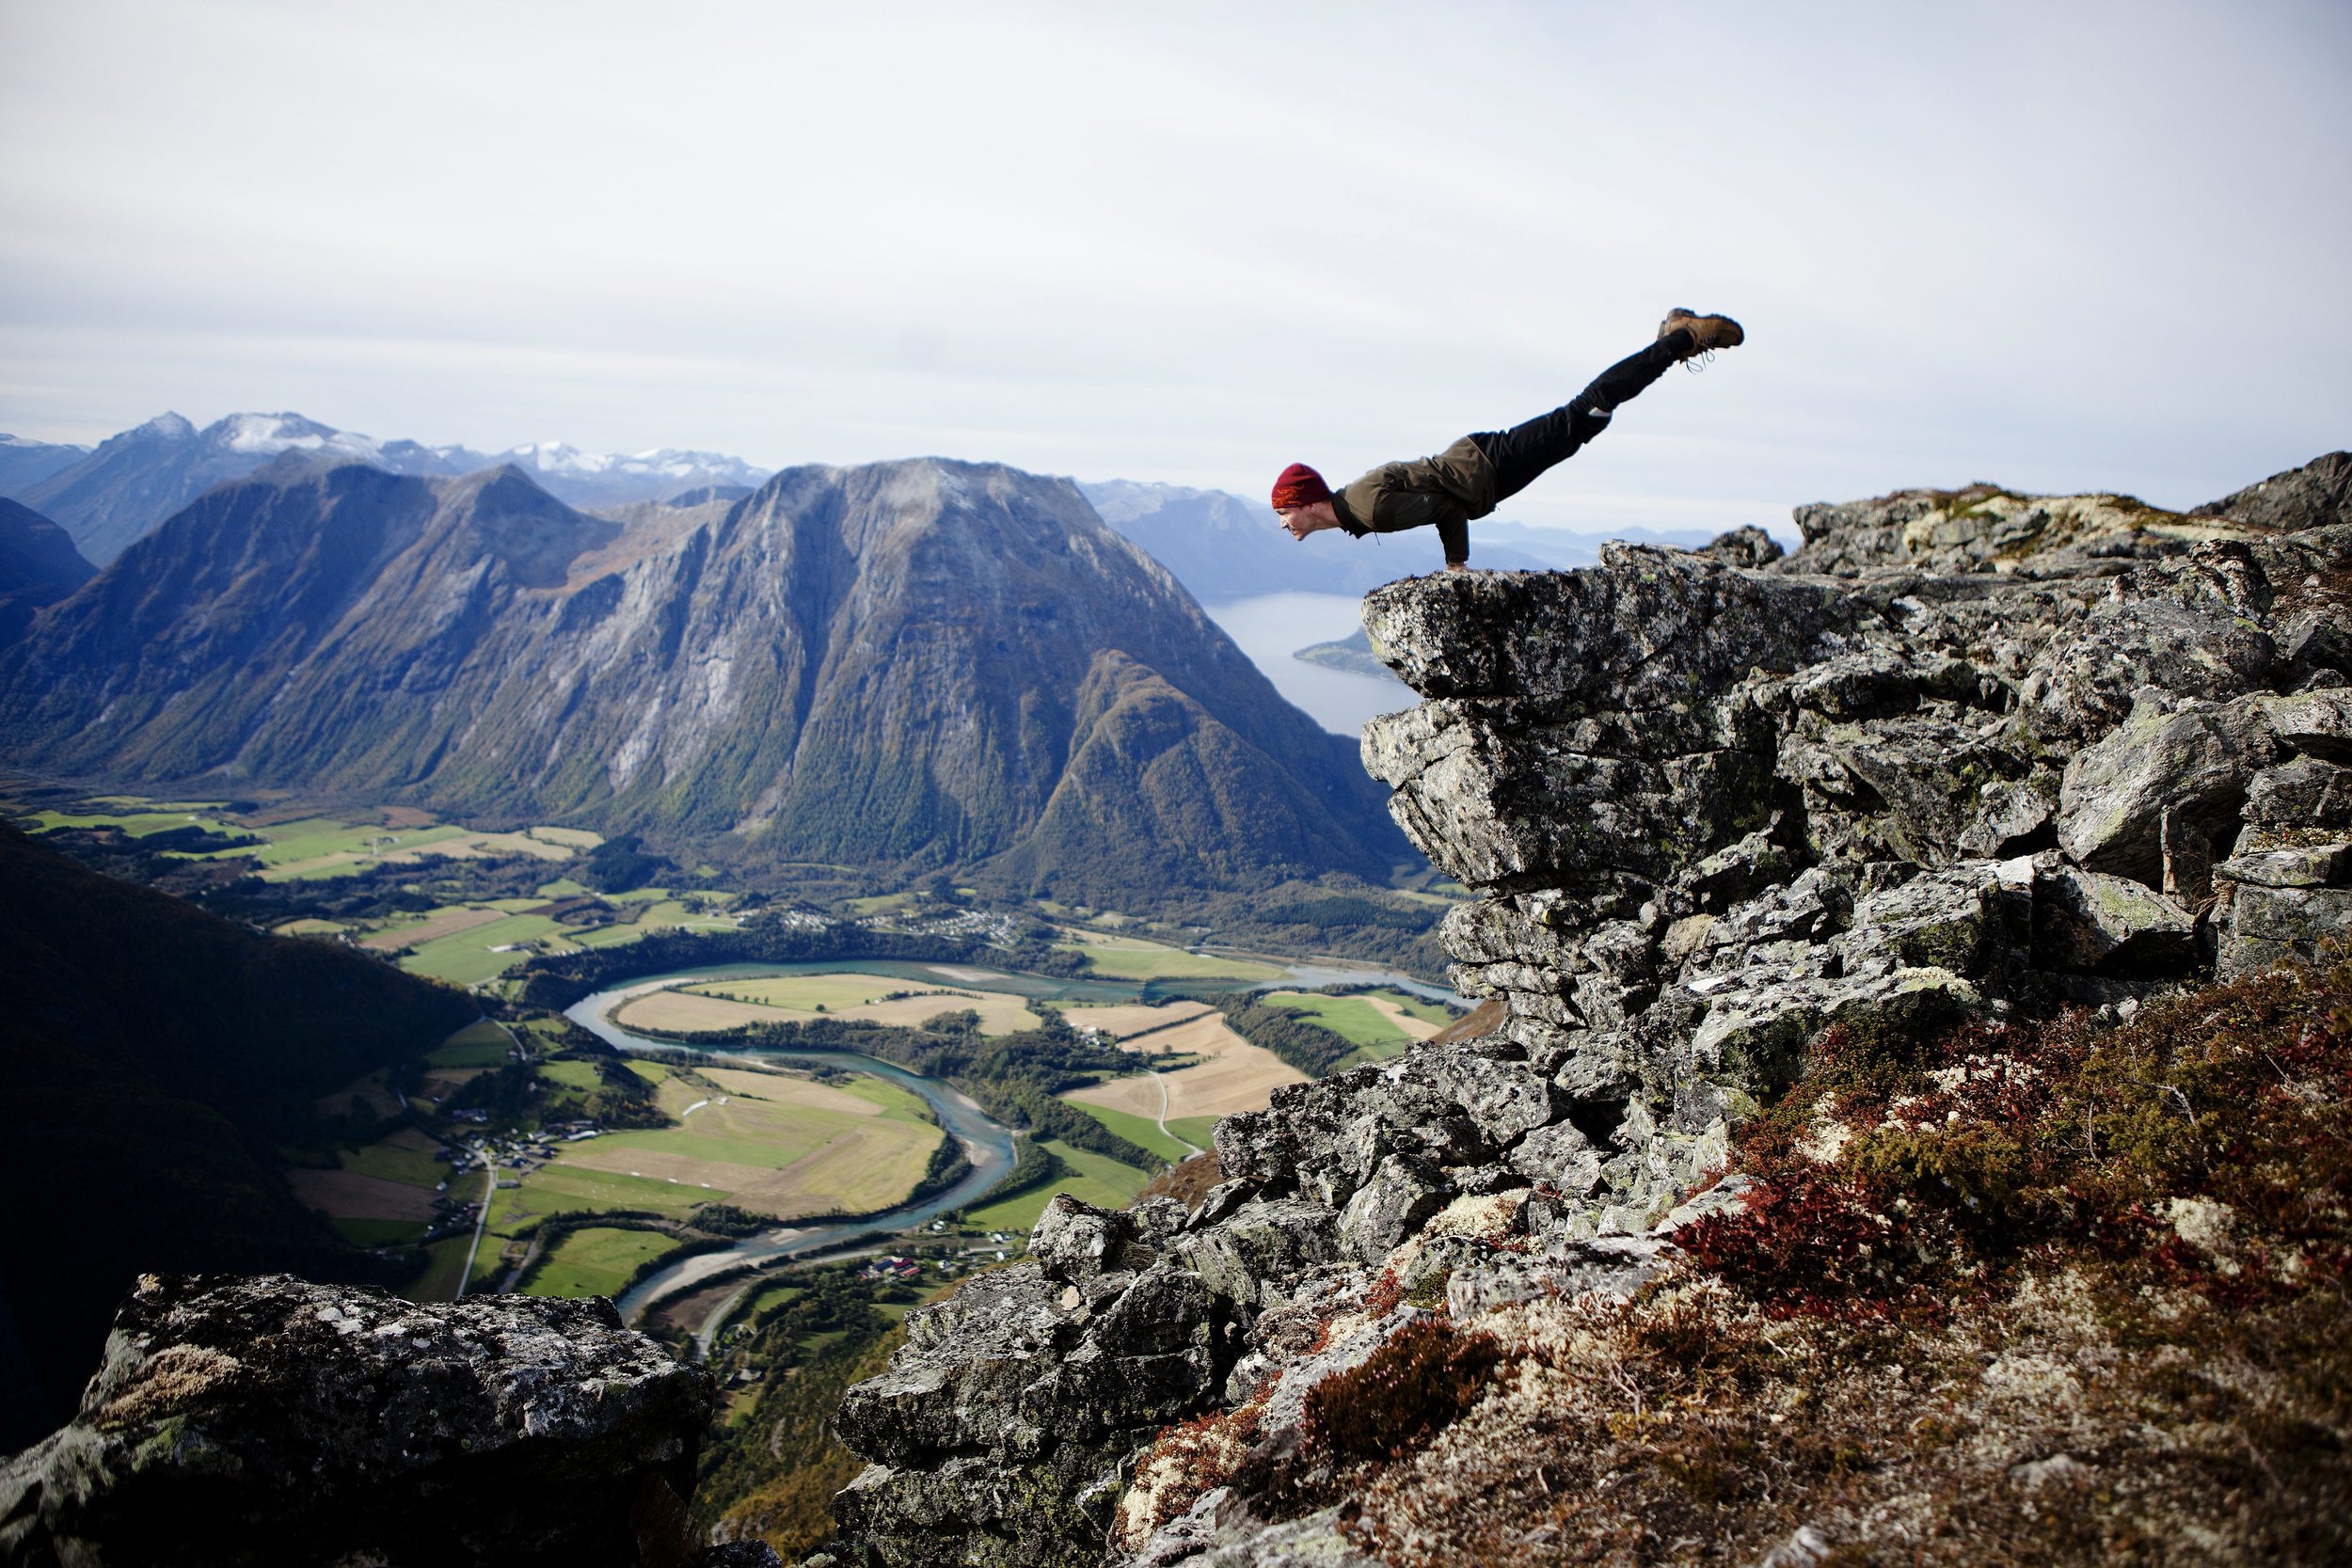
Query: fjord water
[[1272, 627]]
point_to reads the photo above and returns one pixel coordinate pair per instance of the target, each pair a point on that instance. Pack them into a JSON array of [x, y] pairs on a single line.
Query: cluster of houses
[[524, 1153], [892, 1267], [450, 1218], [995, 927]]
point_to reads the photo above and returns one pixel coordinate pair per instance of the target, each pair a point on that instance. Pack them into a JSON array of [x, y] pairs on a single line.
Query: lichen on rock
[[265, 1419]]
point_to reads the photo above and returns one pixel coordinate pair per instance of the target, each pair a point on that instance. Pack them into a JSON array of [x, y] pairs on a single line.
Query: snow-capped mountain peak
[[167, 427], [556, 457], [267, 434]]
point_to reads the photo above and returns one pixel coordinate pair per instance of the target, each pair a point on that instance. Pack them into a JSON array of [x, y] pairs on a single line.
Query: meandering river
[[987, 1143]]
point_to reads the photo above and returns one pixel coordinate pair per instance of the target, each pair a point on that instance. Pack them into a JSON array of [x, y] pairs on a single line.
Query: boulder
[[1749, 547], [2270, 926], [2194, 761], [1074, 1241], [2304, 792], [2086, 921], [2314, 495], [2317, 723], [250, 1420]]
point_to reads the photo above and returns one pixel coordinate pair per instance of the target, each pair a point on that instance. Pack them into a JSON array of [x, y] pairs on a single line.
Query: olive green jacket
[[1445, 491]]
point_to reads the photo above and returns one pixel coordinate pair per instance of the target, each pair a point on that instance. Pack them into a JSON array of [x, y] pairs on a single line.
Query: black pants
[[1521, 454]]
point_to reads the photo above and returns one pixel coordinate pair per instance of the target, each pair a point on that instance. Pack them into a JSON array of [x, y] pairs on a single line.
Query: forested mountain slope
[[155, 1059]]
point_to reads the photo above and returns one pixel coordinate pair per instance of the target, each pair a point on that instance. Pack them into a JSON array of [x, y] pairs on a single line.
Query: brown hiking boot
[[1708, 333]]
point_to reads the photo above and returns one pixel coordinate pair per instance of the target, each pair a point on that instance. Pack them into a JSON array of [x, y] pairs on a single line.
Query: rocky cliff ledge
[[1736, 822], [265, 1420]]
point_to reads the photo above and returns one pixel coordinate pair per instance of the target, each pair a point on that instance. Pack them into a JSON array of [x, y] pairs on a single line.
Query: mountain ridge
[[137, 479], [879, 664], [39, 565]]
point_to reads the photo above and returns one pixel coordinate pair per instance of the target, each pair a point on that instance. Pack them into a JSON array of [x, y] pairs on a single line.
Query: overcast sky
[[2062, 247]]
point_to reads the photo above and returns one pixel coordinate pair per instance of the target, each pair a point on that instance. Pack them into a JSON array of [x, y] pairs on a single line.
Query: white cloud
[[2057, 246]]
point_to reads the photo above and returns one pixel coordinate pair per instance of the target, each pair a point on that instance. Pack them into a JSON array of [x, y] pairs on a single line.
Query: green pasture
[[1139, 1131], [572, 1075], [562, 887], [1130, 958], [1420, 1007], [774, 1294], [391, 1161], [680, 911], [136, 823], [1196, 1129], [596, 1261], [808, 992], [445, 1262], [1089, 1176], [896, 1104], [558, 1188], [465, 958], [481, 1043], [606, 936], [371, 1233], [1351, 1018], [781, 1132], [292, 843]]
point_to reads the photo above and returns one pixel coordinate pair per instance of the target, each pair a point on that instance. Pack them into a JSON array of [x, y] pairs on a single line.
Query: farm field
[[479, 1044], [466, 958], [1196, 1130], [572, 1075], [595, 1260], [138, 818], [446, 1262], [1133, 958], [774, 1144], [1143, 1132], [330, 847], [796, 998], [1122, 1021], [1381, 1024], [1091, 1177], [383, 1193], [1365, 1019], [1235, 1075], [442, 923]]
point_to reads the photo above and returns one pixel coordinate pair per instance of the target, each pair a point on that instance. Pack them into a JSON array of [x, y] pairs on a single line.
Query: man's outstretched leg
[[1521, 454]]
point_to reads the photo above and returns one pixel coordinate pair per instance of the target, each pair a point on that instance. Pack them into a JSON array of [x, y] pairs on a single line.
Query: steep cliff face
[[1962, 756]]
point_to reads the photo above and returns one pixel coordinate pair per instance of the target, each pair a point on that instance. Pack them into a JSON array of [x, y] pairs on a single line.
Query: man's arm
[[1454, 533], [1401, 496]]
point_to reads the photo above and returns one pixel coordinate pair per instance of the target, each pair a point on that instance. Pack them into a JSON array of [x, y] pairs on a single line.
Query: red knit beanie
[[1299, 485]]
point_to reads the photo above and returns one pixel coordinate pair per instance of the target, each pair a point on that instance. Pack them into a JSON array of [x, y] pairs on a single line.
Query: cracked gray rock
[[1961, 752], [265, 1419]]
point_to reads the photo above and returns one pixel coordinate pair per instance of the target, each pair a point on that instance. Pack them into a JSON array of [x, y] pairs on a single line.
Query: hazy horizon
[[2070, 250]]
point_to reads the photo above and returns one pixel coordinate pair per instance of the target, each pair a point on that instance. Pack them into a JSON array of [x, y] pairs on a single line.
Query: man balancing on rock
[[1478, 473]]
